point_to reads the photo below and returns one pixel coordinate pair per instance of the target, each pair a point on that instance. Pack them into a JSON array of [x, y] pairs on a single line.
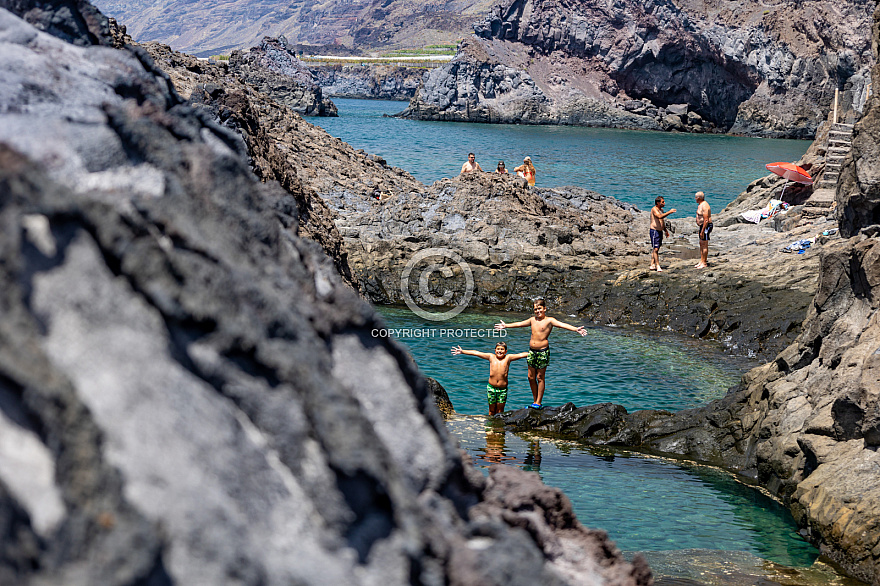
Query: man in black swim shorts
[[704, 223]]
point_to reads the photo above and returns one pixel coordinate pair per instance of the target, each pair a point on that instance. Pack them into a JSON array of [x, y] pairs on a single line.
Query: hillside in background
[[212, 26]]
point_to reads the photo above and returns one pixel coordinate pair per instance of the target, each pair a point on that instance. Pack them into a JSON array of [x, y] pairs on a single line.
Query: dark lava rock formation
[[748, 68], [274, 70], [807, 425], [189, 393], [583, 252], [381, 82]]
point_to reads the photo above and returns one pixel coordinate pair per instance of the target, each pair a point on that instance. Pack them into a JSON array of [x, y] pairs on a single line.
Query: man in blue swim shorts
[[657, 230], [539, 346], [499, 365]]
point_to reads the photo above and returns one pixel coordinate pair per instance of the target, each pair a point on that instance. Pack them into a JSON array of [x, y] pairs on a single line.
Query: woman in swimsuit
[[527, 171]]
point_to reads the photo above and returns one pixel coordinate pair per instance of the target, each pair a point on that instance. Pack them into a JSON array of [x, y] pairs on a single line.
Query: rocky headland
[[745, 68], [369, 81], [273, 69], [189, 392]]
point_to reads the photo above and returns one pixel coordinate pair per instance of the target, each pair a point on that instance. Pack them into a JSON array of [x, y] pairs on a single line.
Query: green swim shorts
[[539, 358], [496, 395]]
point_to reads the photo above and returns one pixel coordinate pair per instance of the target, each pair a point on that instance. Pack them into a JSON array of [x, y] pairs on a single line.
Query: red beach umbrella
[[791, 172]]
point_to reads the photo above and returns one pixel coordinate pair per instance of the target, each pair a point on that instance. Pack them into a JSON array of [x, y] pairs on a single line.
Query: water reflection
[[692, 520], [494, 452], [532, 461]]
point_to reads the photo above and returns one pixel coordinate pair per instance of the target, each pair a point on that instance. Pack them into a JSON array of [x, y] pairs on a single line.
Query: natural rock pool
[[695, 524]]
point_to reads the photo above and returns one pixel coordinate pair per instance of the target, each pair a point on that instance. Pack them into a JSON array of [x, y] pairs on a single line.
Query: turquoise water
[[700, 523], [636, 368], [633, 166]]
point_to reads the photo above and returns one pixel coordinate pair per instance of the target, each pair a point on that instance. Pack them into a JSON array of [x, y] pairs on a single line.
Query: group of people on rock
[[526, 170], [658, 229]]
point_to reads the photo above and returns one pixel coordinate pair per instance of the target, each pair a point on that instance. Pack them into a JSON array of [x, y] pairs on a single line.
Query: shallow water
[[636, 368], [630, 165], [695, 524]]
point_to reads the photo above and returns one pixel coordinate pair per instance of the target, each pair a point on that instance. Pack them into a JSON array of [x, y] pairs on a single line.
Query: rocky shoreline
[[188, 390], [690, 67], [371, 81], [176, 285]]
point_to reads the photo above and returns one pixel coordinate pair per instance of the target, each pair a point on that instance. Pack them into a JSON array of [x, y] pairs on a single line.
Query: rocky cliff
[[807, 425], [273, 69], [384, 82], [188, 391], [747, 68]]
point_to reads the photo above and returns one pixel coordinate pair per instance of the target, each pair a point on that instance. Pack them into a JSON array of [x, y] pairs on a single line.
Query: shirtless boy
[[539, 346], [704, 221], [471, 165], [499, 364], [657, 230]]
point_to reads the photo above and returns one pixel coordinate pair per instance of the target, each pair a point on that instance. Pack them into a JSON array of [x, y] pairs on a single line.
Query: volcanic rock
[[747, 68], [237, 107], [188, 391], [806, 426], [273, 69], [372, 81]]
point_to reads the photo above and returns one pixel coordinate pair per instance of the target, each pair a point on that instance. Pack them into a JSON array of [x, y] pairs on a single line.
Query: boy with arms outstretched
[[499, 364], [539, 346]]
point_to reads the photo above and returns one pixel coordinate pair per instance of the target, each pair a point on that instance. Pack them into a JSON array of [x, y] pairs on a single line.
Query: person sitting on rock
[[501, 169], [657, 230], [471, 165], [527, 171], [539, 346], [499, 365]]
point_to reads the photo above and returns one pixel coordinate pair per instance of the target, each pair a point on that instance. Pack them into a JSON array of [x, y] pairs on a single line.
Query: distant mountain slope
[[214, 26]]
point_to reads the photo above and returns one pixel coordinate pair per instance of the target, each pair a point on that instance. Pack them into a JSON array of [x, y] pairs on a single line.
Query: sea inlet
[[694, 524], [630, 165]]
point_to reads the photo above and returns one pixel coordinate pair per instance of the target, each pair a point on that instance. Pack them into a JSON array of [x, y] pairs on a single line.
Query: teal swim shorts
[[539, 358], [496, 395]]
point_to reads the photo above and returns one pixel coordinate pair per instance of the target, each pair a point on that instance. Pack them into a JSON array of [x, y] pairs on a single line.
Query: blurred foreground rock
[[189, 392]]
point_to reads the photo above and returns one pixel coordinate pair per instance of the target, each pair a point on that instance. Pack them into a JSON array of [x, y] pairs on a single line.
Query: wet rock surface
[[696, 67], [191, 390]]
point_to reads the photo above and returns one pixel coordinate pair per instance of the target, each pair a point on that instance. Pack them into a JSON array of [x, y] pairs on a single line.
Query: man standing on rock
[[704, 222], [657, 230], [471, 165]]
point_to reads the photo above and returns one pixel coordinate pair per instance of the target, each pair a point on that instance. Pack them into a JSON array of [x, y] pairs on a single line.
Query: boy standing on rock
[[657, 230], [499, 365], [539, 346]]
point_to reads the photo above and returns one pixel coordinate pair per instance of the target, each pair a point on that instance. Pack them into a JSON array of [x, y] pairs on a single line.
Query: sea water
[[630, 165], [690, 521]]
